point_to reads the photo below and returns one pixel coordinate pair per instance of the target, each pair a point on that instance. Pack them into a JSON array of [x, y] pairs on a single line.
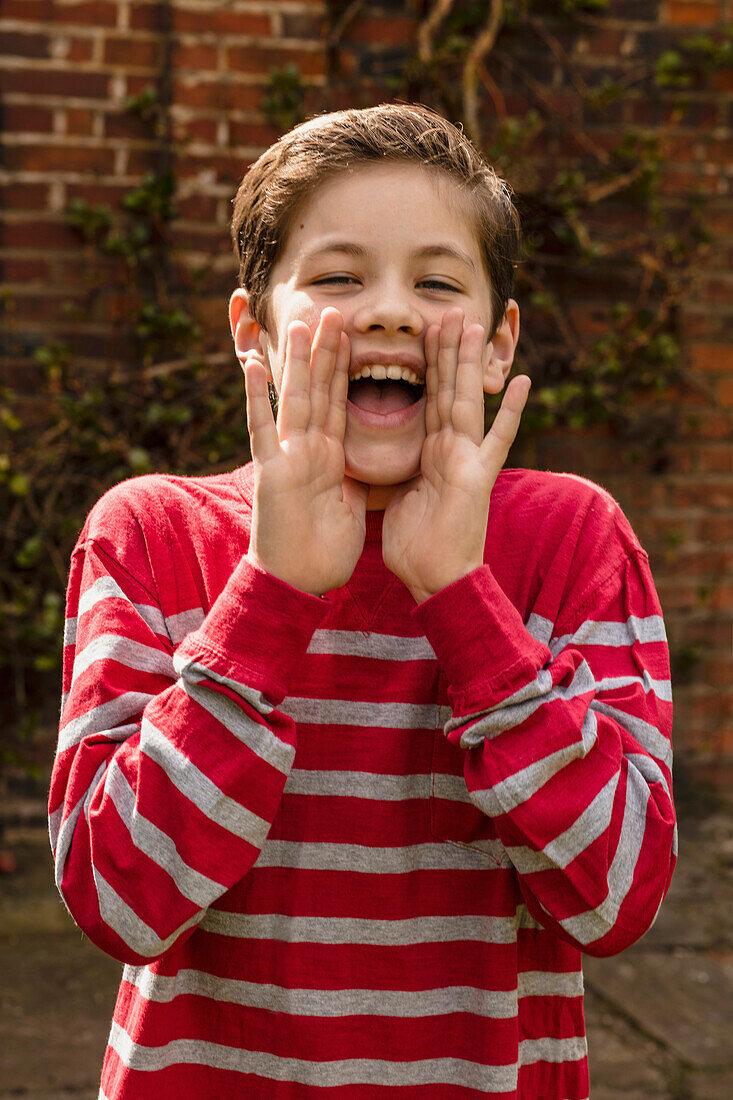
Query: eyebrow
[[349, 248]]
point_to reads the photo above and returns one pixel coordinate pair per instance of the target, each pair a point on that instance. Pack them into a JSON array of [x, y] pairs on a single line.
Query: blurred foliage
[[70, 429], [606, 260], [604, 270]]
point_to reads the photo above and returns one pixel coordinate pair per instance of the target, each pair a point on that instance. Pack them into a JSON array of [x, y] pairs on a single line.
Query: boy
[[364, 743]]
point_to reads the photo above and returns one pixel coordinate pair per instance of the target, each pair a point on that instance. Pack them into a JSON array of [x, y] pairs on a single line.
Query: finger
[[432, 345], [450, 338], [468, 405], [295, 402], [496, 445], [324, 353], [335, 424], [263, 438]]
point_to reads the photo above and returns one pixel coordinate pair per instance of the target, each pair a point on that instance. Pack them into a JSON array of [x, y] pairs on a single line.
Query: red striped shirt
[[350, 846]]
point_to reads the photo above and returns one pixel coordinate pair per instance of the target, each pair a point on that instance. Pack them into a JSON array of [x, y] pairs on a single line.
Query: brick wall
[[67, 67]]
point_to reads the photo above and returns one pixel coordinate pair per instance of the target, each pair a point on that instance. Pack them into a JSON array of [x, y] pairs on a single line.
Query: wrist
[[420, 593]]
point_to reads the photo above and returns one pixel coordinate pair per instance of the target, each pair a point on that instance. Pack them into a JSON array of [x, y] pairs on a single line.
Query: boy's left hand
[[435, 525]]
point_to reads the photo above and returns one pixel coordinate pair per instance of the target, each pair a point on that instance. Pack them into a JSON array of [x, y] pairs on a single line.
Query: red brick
[[24, 270], [700, 14], [219, 21], [217, 95], [197, 208], [383, 31], [252, 134], [253, 59], [15, 43], [23, 118], [135, 53], [716, 529], [24, 196], [97, 194], [79, 120], [304, 25], [196, 128], [32, 235], [704, 495], [711, 357], [59, 158], [88, 13], [724, 390], [197, 58], [80, 49], [122, 125], [55, 82], [722, 80]]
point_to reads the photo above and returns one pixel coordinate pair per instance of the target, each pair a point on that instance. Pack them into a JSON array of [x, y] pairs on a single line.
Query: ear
[[247, 334], [501, 350]]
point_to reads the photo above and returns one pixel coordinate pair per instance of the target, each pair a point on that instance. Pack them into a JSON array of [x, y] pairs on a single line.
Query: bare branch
[[429, 26], [481, 47]]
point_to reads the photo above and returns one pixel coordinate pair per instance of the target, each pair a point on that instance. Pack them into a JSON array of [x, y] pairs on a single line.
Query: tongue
[[380, 397]]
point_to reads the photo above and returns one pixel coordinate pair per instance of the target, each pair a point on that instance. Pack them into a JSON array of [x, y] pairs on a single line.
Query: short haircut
[[283, 178]]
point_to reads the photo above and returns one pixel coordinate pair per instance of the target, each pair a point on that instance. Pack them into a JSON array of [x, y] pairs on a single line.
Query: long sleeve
[[566, 732], [172, 755]]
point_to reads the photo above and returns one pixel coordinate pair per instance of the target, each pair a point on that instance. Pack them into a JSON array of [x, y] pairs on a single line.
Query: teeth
[[379, 372]]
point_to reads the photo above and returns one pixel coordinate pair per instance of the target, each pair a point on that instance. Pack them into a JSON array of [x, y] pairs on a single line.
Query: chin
[[384, 466]]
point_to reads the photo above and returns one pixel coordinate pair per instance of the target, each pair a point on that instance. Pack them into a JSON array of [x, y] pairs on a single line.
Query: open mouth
[[384, 396]]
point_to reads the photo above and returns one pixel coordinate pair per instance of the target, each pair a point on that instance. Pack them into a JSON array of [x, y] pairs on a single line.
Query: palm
[[308, 523], [435, 526]]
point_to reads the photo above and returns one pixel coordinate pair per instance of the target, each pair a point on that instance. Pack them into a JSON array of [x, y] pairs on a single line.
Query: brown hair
[[286, 174]]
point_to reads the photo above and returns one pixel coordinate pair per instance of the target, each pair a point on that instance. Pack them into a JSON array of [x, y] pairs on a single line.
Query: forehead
[[403, 204]]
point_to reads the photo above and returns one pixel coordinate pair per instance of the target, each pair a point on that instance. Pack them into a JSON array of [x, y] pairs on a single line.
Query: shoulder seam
[[628, 557], [94, 543]]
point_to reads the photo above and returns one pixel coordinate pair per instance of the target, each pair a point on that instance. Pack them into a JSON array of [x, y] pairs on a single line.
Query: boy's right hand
[[308, 521]]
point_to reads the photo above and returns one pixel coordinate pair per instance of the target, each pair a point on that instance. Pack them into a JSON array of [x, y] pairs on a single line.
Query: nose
[[391, 307]]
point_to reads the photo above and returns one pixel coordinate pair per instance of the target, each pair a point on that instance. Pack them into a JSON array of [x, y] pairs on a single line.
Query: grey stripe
[[197, 787], [362, 859], [592, 925], [451, 787], [255, 735], [649, 769], [157, 845], [317, 1074], [635, 629], [561, 851], [194, 673], [661, 688], [183, 623], [648, 736], [175, 627], [540, 628], [134, 655], [552, 1050], [390, 788], [66, 831], [131, 929], [493, 1004], [357, 930], [105, 720], [511, 792], [515, 710], [381, 647], [54, 824], [548, 983], [345, 712]]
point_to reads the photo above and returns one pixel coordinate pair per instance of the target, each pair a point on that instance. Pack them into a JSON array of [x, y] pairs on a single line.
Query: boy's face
[[390, 247]]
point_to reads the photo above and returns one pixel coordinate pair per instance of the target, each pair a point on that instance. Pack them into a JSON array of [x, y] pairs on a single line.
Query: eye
[[334, 280], [438, 284]]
